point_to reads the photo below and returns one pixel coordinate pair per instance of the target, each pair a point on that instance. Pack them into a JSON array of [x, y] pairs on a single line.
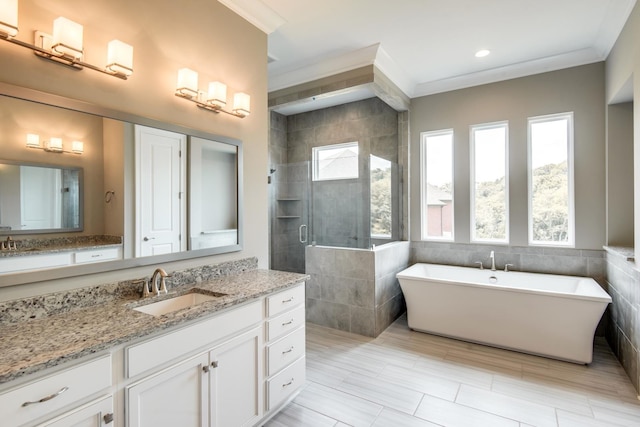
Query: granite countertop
[[33, 345], [31, 247]]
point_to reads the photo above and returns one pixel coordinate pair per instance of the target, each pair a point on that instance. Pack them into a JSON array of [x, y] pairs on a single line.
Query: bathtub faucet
[[493, 261]]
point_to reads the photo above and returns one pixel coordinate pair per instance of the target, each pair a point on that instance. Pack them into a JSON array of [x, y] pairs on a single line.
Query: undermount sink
[[176, 303]]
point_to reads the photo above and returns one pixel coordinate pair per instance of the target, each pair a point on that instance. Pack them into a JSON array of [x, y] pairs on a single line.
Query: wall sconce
[[65, 45], [54, 145], [215, 99]]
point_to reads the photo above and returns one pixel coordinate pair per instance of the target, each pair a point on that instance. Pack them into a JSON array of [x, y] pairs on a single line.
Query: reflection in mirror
[[213, 196], [39, 198], [108, 166]]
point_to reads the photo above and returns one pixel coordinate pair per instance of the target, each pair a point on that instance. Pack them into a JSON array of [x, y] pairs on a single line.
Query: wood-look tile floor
[[406, 378]]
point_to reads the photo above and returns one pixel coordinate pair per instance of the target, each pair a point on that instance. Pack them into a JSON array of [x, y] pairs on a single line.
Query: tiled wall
[[355, 290], [623, 329], [572, 262]]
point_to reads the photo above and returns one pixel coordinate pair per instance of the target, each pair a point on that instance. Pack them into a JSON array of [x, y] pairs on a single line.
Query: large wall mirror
[[135, 178]]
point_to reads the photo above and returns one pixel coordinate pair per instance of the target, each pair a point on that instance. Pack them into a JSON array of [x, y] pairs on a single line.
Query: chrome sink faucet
[[493, 261]]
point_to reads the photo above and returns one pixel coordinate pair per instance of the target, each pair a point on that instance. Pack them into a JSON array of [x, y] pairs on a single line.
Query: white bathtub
[[543, 314]]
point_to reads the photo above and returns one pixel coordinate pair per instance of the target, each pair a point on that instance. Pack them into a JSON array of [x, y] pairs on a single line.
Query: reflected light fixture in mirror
[[215, 99], [54, 145], [65, 45], [9, 18]]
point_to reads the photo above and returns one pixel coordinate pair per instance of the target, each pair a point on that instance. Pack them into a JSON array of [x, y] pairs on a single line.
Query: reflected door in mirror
[[39, 198], [160, 185]]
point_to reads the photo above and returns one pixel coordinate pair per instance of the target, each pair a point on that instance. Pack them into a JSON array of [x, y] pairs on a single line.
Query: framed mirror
[[106, 194]]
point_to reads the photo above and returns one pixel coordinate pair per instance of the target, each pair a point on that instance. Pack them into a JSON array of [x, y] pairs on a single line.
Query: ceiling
[[428, 46]]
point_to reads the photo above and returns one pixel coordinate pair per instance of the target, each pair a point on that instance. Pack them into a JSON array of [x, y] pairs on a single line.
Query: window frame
[[423, 187], [315, 160], [569, 116], [472, 190]]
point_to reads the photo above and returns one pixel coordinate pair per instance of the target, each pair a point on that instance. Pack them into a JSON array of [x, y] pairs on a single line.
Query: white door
[[177, 396], [236, 381], [160, 185], [41, 197]]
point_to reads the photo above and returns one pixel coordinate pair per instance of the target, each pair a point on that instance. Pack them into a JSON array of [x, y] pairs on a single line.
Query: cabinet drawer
[[280, 387], [55, 391], [97, 255], [285, 351], [34, 262], [155, 352], [285, 323], [285, 300]]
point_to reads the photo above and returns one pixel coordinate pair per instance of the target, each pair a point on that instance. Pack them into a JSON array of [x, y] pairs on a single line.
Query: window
[[381, 201], [551, 210], [489, 183], [338, 161], [436, 170]]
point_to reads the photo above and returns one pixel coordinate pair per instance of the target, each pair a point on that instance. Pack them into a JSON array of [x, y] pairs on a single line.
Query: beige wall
[[167, 35], [579, 89]]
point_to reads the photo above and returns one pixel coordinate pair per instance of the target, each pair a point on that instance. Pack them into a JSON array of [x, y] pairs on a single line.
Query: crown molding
[[257, 13], [523, 69]]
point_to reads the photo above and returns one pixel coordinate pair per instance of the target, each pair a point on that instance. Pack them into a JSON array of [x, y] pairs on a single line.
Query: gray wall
[[623, 84], [579, 89], [620, 174]]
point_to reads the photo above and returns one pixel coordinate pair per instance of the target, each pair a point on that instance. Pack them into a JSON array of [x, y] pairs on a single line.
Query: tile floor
[[405, 378]]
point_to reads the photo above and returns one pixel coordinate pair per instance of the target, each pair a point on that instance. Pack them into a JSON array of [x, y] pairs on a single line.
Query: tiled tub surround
[[102, 317], [564, 261], [623, 329], [59, 244], [355, 290]]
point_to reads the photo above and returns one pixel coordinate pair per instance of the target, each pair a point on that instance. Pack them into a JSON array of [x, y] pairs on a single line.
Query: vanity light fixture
[[54, 145], [64, 46], [215, 99]]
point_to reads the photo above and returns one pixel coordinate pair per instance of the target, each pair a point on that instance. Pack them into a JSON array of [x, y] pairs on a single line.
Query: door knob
[[146, 239]]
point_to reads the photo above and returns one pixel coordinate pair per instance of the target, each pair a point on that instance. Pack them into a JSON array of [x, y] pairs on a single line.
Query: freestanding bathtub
[[542, 314]]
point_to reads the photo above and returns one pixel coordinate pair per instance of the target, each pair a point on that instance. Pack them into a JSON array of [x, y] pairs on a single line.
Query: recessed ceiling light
[[482, 53]]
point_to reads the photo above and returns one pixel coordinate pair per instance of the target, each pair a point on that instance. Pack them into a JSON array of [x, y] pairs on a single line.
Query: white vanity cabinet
[[219, 387], [35, 261], [285, 349], [66, 391]]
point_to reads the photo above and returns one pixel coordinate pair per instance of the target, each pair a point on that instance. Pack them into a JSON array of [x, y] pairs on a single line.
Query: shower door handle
[[300, 233]]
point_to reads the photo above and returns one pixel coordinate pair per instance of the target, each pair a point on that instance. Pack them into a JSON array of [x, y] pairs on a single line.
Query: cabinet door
[[177, 396], [236, 381], [95, 414]]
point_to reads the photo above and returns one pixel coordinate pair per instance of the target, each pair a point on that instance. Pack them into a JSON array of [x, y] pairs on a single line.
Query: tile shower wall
[[355, 290], [623, 329]]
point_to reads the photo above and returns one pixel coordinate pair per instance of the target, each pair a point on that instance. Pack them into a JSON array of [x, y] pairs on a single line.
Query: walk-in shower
[[314, 207]]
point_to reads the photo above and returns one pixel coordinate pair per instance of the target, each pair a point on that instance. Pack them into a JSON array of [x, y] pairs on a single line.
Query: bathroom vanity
[[233, 360]]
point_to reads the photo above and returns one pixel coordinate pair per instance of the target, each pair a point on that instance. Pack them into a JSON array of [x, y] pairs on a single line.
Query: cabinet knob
[[205, 368], [214, 364], [108, 418]]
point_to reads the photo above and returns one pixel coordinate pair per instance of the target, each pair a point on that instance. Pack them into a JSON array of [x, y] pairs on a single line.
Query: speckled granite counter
[[28, 346], [29, 247]]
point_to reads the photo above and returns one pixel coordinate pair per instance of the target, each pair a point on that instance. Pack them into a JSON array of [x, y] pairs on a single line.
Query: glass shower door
[[290, 216]]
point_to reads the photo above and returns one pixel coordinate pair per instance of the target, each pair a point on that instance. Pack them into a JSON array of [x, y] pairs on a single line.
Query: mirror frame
[[44, 98], [28, 232]]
